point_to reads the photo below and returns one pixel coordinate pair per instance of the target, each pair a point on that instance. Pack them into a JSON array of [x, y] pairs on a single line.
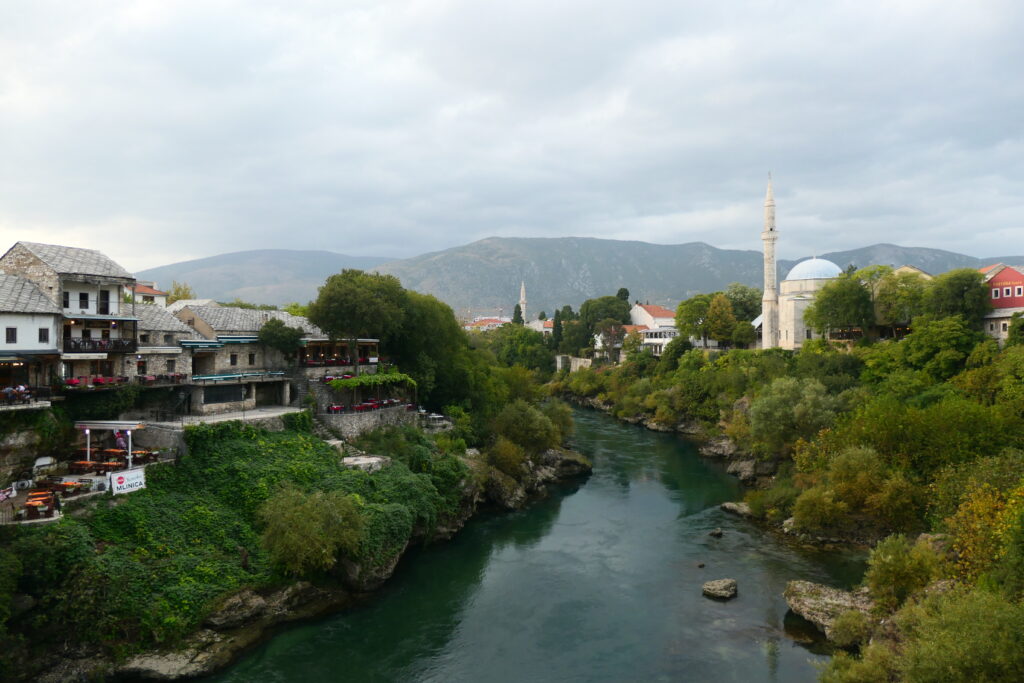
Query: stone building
[[160, 358], [1006, 292], [98, 331]]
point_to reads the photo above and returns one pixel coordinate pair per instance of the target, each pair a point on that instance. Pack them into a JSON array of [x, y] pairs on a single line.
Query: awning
[[116, 425], [83, 356], [11, 359]]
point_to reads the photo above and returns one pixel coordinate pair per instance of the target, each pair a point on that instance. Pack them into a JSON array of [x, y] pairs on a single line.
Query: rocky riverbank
[[752, 471], [247, 617]]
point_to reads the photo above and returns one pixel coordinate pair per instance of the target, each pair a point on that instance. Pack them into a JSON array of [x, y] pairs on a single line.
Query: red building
[[1006, 291]]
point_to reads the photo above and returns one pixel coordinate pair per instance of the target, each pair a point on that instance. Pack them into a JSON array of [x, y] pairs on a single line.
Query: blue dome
[[814, 269]]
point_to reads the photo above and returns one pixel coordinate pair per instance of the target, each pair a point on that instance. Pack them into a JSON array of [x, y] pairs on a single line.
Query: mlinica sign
[[127, 481]]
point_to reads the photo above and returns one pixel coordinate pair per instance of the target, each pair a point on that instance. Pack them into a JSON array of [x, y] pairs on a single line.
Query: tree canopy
[[691, 317], [595, 310], [355, 304], [277, 335], [179, 291], [959, 292], [746, 301], [842, 304]]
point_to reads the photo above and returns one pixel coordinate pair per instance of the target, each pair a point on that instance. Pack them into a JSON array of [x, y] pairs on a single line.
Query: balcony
[[77, 345]]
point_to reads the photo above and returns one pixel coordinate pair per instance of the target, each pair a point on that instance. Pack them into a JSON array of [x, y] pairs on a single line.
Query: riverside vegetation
[[251, 510], [879, 442]]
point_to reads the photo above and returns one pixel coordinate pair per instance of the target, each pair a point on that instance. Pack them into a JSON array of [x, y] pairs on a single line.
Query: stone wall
[[577, 363], [20, 261], [351, 425]]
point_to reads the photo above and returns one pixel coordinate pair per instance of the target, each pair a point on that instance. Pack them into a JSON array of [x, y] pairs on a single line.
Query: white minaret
[[770, 300], [522, 301]]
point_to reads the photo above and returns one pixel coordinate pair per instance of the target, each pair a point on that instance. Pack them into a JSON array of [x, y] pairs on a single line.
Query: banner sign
[[127, 481]]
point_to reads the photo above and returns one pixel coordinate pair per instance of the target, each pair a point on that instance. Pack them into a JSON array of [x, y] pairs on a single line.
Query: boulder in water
[[720, 589], [716, 533], [821, 605]]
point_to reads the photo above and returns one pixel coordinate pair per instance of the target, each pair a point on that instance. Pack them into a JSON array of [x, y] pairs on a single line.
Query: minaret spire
[[770, 300], [522, 301]]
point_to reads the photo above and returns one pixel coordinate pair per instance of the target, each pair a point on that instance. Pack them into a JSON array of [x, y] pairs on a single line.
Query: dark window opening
[[252, 359], [12, 335], [44, 335], [66, 299], [234, 359], [83, 299]]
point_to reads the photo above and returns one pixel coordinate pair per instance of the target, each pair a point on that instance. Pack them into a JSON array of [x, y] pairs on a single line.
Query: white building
[[796, 293], [652, 316], [31, 325]]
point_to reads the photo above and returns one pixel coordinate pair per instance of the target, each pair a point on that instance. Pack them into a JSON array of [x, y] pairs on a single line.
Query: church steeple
[[770, 300], [522, 301]]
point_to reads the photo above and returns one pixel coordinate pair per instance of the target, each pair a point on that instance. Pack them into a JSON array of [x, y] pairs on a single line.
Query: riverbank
[[247, 616]]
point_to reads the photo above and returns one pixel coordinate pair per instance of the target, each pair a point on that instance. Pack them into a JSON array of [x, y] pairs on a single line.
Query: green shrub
[[305, 532], [851, 629], [973, 637], [897, 569], [817, 510], [526, 426], [507, 457], [560, 415], [876, 664], [774, 504]]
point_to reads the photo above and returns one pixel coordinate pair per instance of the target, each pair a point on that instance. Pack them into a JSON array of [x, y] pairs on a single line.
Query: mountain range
[[484, 276]]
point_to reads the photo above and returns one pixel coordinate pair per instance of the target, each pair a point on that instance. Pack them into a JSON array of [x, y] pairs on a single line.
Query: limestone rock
[[657, 426], [789, 525], [741, 509], [721, 589], [292, 596], [716, 533], [744, 470], [718, 448], [821, 605], [366, 463], [239, 609], [504, 490], [689, 427], [195, 659]]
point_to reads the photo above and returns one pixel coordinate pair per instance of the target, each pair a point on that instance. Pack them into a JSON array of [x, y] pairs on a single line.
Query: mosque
[[782, 307]]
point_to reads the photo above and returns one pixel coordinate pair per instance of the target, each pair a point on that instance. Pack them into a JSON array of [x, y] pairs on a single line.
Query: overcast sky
[[164, 131]]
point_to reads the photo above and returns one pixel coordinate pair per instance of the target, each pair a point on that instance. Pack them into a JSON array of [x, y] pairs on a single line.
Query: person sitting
[[119, 441]]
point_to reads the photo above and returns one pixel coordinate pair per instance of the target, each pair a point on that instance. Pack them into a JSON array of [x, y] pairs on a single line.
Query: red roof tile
[[658, 311], [146, 289]]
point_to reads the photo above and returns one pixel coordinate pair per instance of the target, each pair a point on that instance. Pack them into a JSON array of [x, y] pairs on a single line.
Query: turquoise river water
[[598, 582]]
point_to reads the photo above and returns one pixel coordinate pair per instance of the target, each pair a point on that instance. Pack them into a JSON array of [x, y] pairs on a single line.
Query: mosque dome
[[814, 269]]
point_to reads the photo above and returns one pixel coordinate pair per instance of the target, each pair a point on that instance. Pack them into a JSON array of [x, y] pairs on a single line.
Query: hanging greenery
[[372, 381]]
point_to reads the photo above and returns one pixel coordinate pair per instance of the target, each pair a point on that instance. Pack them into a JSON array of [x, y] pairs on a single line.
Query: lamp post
[[129, 448], [88, 442]]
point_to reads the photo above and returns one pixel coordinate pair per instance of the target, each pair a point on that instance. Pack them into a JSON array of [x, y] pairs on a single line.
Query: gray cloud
[[162, 131]]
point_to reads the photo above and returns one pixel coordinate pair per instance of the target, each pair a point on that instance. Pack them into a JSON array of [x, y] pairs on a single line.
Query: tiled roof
[[158, 319], [74, 260], [18, 295], [658, 311], [229, 319], [634, 328], [146, 289], [182, 303]]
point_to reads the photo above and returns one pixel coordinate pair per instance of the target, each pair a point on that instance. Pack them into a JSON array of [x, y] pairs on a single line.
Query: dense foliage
[[876, 442]]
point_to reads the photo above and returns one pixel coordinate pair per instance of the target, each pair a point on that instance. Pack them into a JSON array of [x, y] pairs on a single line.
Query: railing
[[171, 378], [78, 345], [228, 376]]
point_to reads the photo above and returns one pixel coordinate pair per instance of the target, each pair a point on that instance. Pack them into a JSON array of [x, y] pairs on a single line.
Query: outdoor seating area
[[327, 378], [87, 381], [171, 378], [365, 406], [18, 395], [104, 460]]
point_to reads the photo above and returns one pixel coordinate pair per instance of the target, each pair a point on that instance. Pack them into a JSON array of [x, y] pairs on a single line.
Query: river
[[598, 582]]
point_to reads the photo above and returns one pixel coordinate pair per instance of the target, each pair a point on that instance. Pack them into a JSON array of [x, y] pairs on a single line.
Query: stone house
[[97, 335], [160, 358], [146, 293]]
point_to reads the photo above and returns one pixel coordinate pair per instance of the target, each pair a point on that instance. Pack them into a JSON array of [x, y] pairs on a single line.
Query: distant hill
[[484, 276], [266, 276]]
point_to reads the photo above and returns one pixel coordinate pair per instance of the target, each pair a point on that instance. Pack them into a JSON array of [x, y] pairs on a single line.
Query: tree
[[691, 317], [611, 333], [790, 409], [354, 304], [959, 292], [542, 316], [632, 345], [306, 531], [743, 334], [568, 314], [939, 347], [518, 345], [1015, 335], [277, 335], [595, 310], [746, 301], [842, 304], [295, 308], [720, 319], [575, 338], [556, 331], [517, 315], [899, 298], [623, 294], [179, 291]]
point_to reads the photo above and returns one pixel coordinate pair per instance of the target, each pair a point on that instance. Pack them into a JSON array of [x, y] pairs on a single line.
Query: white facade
[[652, 316], [31, 332], [81, 298], [655, 340], [770, 336], [796, 293]]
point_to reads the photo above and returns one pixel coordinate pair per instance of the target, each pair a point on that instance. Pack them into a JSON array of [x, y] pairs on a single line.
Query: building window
[[148, 300], [170, 366], [140, 367], [991, 327], [86, 334], [44, 335], [808, 332], [168, 339], [1004, 327], [83, 299], [12, 335], [66, 297], [252, 359], [144, 338], [234, 359], [1019, 291], [995, 293], [1006, 292]]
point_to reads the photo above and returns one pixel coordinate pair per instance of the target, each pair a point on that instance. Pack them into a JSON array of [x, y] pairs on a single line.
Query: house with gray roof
[[30, 323], [98, 331], [160, 358]]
